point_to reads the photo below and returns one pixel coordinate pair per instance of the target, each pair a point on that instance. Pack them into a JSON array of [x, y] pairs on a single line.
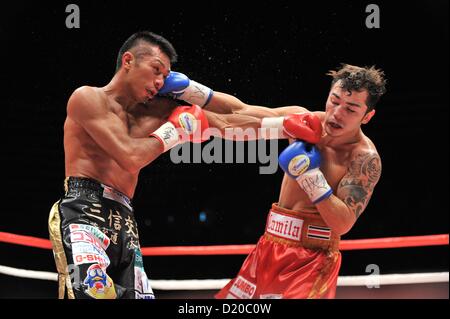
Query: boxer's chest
[[334, 165], [141, 122]]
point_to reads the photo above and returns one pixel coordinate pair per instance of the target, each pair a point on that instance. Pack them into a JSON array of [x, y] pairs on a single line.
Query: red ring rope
[[373, 243]]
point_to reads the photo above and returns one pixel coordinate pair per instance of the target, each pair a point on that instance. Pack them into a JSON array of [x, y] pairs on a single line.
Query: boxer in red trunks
[[325, 189], [320, 200]]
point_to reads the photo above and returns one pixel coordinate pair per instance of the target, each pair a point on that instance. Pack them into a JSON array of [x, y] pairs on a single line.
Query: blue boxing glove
[[301, 161], [178, 86]]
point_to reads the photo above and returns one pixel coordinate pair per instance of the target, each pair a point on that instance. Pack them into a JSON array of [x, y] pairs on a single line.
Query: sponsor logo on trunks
[[89, 234], [284, 226], [86, 248], [77, 236], [319, 232], [142, 288], [91, 258], [242, 288], [98, 284]]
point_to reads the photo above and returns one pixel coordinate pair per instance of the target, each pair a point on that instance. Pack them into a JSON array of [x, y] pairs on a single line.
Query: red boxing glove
[[304, 126], [192, 120], [186, 123]]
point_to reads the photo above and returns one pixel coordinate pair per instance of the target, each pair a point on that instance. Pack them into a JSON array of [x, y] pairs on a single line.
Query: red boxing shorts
[[296, 258]]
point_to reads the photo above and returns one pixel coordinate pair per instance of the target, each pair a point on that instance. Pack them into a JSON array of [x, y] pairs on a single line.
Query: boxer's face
[[146, 74], [345, 111]]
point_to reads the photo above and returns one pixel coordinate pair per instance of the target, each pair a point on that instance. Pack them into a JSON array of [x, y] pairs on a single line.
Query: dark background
[[273, 54]]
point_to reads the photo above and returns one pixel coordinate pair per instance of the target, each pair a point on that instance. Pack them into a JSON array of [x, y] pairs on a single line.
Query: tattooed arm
[[353, 194]]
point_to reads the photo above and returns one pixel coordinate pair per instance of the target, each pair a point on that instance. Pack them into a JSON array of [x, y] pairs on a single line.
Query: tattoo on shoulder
[[357, 186]]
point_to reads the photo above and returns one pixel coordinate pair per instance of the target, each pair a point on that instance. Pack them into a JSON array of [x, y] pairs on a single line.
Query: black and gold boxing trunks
[[96, 244]]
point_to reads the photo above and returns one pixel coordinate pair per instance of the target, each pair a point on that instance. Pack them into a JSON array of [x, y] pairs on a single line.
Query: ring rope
[[213, 284], [353, 244]]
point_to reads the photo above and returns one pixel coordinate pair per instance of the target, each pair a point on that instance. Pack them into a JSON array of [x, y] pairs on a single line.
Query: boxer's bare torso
[[85, 158], [340, 164]]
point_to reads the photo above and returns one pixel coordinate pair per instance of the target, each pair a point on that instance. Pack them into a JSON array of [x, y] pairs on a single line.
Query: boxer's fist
[[192, 121], [304, 126], [301, 161], [186, 123], [179, 86]]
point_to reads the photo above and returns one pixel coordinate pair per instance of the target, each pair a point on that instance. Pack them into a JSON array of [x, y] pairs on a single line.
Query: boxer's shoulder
[[365, 148], [90, 100], [365, 161], [86, 91]]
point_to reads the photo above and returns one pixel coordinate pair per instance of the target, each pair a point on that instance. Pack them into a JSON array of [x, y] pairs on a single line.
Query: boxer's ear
[[367, 117], [127, 60]]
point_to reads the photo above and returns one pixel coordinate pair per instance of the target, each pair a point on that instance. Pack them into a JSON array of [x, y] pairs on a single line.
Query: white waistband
[[284, 226], [112, 194]]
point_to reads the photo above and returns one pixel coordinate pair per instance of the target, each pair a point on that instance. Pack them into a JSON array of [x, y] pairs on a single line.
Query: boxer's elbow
[[344, 225], [342, 229], [336, 215]]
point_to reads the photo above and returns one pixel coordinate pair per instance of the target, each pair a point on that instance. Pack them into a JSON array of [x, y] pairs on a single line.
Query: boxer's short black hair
[[136, 39]]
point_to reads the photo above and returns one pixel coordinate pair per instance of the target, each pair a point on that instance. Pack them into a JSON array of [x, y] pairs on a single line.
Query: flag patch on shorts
[[319, 232]]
